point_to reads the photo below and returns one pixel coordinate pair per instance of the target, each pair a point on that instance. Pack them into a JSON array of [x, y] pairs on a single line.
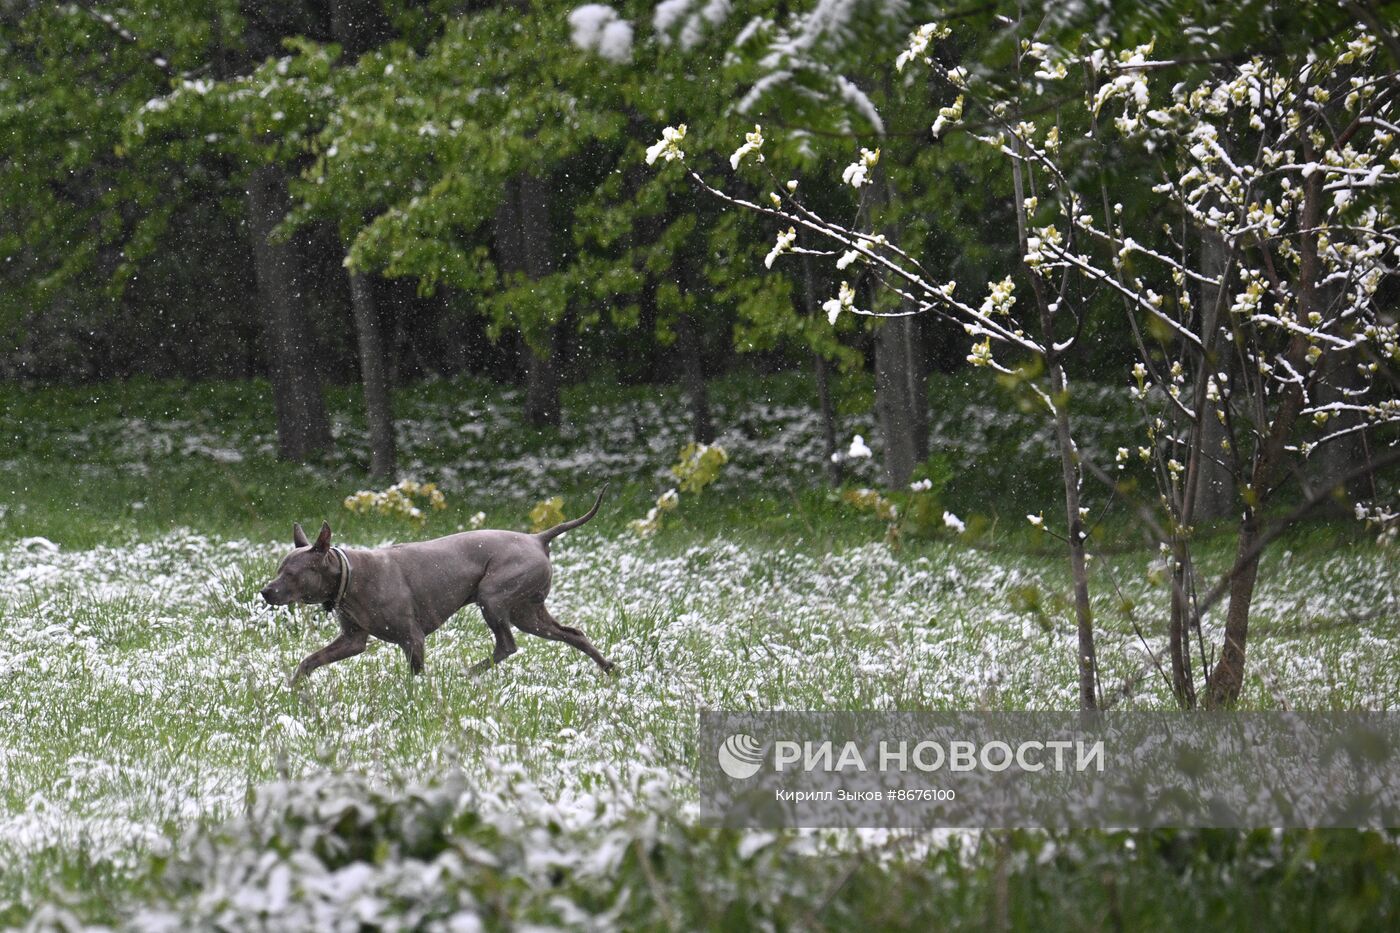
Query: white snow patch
[[598, 28]]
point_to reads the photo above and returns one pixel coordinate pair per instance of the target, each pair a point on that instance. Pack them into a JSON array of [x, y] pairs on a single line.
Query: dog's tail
[[550, 534]]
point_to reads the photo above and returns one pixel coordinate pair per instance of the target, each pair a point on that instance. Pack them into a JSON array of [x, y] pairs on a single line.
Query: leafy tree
[[84, 219], [471, 200]]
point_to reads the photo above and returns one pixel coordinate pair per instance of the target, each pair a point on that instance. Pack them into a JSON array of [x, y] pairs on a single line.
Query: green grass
[[141, 683]]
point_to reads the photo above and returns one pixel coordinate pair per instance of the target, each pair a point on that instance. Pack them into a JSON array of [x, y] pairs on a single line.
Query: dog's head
[[310, 574]]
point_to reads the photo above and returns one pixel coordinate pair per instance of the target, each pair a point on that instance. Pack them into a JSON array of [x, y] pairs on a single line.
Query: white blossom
[[949, 114], [753, 142], [919, 42], [1000, 299], [845, 300], [783, 245], [857, 174], [668, 146]]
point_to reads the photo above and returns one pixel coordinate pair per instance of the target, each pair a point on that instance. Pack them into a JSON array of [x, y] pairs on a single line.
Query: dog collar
[[344, 580]]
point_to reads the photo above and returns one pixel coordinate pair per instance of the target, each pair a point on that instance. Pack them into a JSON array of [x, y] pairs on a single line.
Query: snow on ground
[[478, 446], [143, 683]]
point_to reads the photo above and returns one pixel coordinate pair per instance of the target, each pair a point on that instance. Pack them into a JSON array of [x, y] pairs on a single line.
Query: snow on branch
[[598, 28]]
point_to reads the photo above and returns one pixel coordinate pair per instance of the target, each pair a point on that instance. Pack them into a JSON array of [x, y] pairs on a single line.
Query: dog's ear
[[299, 536], [323, 540]]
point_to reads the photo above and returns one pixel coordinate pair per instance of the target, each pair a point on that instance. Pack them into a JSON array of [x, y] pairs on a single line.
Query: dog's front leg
[[346, 645]]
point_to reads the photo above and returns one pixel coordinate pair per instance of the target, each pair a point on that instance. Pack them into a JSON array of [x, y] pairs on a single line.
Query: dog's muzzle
[[272, 597]]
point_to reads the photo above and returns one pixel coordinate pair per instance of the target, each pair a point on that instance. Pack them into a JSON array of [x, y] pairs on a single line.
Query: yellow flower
[[397, 501], [547, 514]]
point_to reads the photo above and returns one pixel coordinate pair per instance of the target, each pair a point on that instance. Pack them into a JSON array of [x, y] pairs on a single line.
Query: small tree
[[1254, 306], [1279, 176]]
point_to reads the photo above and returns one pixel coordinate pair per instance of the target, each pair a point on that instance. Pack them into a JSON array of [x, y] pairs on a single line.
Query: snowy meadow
[[147, 721]]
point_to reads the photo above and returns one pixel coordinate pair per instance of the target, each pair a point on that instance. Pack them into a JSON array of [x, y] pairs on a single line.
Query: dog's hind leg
[[536, 620], [413, 650], [498, 620]]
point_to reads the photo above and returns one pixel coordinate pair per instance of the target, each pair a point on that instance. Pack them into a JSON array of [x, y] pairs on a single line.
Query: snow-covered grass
[[93, 464], [142, 683]]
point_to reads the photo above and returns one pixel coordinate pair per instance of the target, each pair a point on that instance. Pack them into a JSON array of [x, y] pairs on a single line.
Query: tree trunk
[[823, 377], [1215, 487], [1226, 680], [901, 380], [525, 243], [1079, 570], [542, 408], [901, 397], [693, 378], [828, 410], [359, 25], [303, 430], [1179, 628], [541, 259], [1336, 459], [1070, 470], [378, 408], [1210, 480]]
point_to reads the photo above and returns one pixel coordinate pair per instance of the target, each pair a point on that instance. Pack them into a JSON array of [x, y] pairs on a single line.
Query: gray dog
[[405, 592]]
